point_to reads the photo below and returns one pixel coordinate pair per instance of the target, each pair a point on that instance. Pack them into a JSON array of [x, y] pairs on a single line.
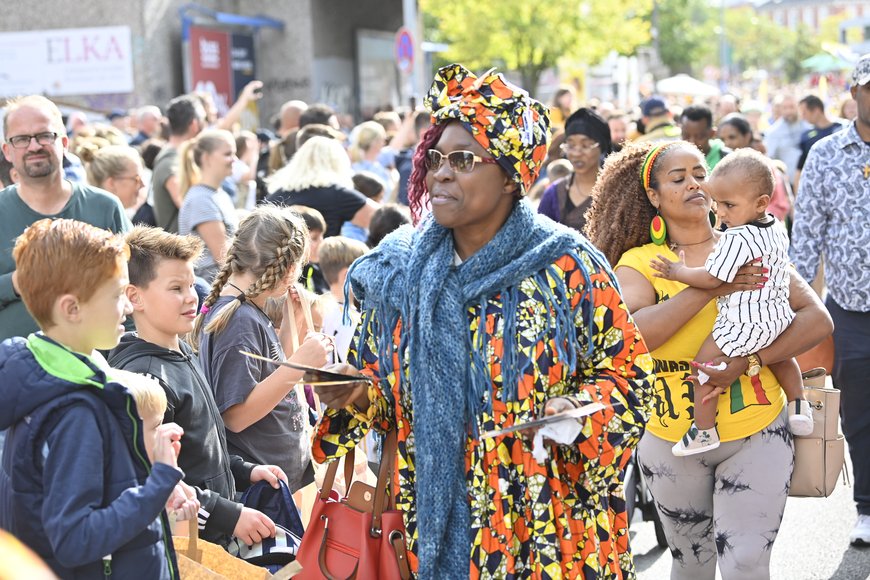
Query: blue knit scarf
[[411, 277]]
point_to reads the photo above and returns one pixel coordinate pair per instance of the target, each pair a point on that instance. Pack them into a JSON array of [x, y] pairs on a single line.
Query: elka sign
[[72, 61]]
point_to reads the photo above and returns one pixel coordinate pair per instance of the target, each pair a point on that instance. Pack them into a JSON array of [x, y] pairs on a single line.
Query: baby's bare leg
[[705, 413], [788, 374]]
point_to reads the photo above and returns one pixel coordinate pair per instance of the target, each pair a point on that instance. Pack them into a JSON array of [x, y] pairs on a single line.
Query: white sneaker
[[800, 417], [860, 535], [696, 441]]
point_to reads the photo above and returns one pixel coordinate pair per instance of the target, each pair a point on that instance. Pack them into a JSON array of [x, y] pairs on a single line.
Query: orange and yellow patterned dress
[[562, 519]]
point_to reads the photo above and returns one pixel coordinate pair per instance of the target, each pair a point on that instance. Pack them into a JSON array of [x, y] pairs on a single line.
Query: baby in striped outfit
[[747, 321]]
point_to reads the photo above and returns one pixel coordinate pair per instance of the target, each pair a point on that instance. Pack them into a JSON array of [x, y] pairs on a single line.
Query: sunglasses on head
[[459, 161]]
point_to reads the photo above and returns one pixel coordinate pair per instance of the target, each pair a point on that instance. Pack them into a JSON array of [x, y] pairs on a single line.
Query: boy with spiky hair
[[164, 308]]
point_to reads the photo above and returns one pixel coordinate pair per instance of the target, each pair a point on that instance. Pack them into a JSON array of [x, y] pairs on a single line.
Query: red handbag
[[355, 537]]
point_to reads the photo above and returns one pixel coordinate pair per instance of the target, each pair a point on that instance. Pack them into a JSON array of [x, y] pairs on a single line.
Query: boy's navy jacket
[[76, 485], [190, 402]]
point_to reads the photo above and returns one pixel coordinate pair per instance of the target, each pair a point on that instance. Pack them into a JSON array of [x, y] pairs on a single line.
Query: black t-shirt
[[337, 204], [281, 437], [811, 137]]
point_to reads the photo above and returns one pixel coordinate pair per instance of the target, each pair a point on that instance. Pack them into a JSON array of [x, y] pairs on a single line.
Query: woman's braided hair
[[621, 212], [270, 242]]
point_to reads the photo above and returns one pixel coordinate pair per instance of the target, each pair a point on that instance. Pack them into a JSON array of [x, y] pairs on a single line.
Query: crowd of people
[[483, 261]]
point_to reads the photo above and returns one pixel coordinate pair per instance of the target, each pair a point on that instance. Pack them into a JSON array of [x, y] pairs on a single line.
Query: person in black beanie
[[587, 143]]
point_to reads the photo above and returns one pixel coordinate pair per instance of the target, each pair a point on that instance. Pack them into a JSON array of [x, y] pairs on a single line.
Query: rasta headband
[[646, 168]]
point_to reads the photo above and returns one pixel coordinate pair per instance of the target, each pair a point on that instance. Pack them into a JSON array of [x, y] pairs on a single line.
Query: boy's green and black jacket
[[204, 458], [76, 485]]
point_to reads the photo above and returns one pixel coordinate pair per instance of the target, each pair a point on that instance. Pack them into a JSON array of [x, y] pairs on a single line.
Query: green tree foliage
[[530, 37], [802, 46], [687, 38], [690, 39], [756, 41]]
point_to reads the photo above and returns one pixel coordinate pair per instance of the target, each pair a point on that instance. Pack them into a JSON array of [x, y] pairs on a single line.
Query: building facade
[[812, 13], [333, 51]]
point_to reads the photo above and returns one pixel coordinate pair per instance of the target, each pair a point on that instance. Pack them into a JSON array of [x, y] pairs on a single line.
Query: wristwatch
[[754, 365]]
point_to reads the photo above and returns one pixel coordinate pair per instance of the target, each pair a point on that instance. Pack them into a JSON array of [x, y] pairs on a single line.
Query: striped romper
[[750, 320]]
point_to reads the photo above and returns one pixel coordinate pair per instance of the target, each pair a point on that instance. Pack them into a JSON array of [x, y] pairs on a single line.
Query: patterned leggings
[[723, 505]]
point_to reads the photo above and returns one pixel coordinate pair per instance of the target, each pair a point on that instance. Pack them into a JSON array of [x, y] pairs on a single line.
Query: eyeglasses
[[459, 161], [136, 178], [566, 148], [23, 141]]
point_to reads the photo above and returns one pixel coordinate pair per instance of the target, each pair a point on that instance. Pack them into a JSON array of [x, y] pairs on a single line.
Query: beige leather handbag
[[819, 457]]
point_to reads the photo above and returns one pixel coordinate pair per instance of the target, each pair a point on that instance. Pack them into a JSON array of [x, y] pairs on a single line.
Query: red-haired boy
[[76, 485]]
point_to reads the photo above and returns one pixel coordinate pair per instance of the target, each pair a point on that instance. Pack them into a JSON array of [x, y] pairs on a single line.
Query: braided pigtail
[[219, 321], [270, 242]]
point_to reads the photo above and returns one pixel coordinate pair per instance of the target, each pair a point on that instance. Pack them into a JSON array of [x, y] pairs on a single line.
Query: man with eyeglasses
[[34, 143]]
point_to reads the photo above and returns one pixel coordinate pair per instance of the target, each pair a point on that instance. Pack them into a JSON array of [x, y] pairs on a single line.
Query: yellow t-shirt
[[746, 408]]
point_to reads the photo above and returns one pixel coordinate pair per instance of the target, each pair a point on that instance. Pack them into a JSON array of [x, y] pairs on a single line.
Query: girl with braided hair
[[489, 315], [724, 506], [265, 420]]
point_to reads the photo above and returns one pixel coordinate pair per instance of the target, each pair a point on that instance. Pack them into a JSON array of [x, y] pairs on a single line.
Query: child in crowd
[[151, 406], [76, 485], [307, 316], [748, 321], [368, 184], [264, 418], [387, 219], [164, 308], [556, 170], [336, 255], [311, 277]]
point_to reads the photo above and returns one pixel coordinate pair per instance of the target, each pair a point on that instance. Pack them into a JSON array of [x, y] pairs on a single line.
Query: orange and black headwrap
[[512, 126]]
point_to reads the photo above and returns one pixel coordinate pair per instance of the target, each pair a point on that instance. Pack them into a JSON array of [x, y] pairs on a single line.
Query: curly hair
[[621, 212], [417, 190], [270, 242]]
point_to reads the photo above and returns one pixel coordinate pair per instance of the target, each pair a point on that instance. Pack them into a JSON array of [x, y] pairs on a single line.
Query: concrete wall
[[335, 26], [311, 59], [283, 56]]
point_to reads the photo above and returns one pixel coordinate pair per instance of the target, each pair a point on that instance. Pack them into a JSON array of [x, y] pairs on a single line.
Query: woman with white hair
[[320, 177]]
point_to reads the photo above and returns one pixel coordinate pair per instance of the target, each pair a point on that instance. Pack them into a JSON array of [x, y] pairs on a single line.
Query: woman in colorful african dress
[[485, 316]]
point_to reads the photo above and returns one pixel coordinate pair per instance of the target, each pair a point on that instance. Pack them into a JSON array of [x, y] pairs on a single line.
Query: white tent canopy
[[683, 84]]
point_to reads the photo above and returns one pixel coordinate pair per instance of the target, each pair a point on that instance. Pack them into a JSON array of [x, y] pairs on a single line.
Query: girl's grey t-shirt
[[203, 204], [280, 438]]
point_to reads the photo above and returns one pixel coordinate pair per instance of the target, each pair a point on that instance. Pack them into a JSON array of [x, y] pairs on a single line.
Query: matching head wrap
[[587, 122], [510, 125]]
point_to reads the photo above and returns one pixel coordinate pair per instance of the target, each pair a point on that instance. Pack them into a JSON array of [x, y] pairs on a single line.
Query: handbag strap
[[332, 471], [193, 551], [306, 312], [306, 308], [385, 476]]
